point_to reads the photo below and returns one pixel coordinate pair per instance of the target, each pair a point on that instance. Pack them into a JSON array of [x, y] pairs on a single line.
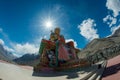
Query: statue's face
[[57, 31]]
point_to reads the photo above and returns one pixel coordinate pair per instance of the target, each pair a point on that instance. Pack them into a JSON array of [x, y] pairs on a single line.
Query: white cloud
[[6, 47], [1, 42], [113, 29], [5, 36], [110, 20], [87, 29], [20, 49], [113, 5], [68, 40], [25, 48]]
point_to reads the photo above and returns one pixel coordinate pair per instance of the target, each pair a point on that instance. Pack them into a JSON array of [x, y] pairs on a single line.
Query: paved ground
[[112, 71], [14, 72]]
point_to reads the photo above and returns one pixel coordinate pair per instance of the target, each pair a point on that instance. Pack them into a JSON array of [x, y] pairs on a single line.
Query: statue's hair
[[57, 28]]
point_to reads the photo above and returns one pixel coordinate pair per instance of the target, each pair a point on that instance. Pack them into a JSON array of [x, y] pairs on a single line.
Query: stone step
[[101, 71], [97, 75], [86, 76], [93, 77]]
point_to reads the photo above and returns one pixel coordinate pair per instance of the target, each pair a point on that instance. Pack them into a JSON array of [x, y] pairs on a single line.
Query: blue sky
[[22, 22]]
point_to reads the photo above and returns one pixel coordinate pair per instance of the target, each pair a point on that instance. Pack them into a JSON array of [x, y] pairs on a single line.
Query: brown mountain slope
[[98, 44]]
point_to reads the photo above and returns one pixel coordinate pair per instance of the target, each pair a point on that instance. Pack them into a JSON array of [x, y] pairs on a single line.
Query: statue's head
[[57, 30]]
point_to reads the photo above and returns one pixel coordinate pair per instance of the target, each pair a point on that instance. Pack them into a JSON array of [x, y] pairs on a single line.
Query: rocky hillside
[[28, 59], [99, 44], [6, 55], [116, 33]]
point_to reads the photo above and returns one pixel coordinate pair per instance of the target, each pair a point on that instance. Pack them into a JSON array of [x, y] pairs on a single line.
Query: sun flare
[[48, 24]]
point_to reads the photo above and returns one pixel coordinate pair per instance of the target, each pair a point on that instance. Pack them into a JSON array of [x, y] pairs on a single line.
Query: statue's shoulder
[[61, 36]]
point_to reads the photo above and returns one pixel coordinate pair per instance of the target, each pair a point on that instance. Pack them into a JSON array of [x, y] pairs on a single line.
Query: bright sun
[[48, 24]]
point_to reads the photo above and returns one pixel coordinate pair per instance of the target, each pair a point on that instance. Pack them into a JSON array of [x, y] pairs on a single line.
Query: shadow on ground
[[69, 74], [111, 70]]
